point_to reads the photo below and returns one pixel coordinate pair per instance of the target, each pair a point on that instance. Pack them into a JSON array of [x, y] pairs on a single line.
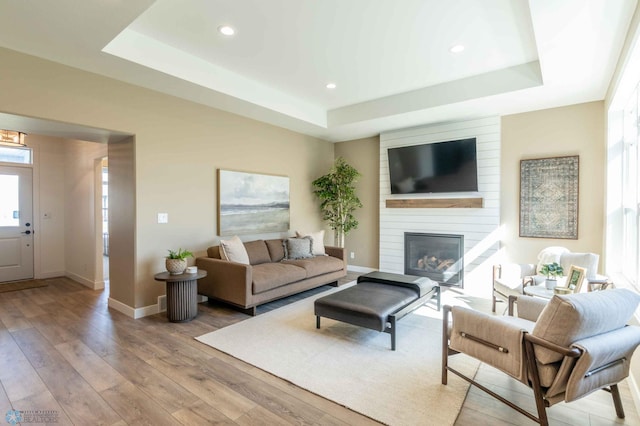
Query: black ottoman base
[[378, 301]]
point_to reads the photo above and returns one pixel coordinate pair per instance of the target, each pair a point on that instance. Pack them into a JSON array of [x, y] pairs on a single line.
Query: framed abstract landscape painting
[[252, 203]]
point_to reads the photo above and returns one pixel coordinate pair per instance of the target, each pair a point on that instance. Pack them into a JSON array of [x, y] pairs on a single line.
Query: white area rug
[[353, 366]]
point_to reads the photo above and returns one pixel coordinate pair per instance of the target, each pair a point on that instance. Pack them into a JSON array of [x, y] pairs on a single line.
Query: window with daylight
[[19, 155], [630, 190], [622, 252]]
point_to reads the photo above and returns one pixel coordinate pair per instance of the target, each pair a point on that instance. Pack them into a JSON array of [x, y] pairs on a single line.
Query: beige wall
[[48, 197], [178, 147], [572, 130], [80, 224], [122, 229], [364, 155]]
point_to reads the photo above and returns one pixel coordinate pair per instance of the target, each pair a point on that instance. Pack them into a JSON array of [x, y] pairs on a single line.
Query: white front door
[[16, 224]]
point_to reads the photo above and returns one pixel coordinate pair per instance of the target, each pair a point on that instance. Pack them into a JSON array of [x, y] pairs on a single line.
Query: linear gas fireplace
[[439, 257]]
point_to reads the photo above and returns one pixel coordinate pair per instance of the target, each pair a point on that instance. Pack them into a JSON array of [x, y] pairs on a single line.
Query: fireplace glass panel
[[439, 257]]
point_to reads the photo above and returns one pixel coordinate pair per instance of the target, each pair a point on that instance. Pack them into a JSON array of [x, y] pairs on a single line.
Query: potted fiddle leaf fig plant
[[176, 261], [552, 271]]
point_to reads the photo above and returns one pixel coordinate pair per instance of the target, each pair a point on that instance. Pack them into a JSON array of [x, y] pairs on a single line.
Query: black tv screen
[[449, 166]]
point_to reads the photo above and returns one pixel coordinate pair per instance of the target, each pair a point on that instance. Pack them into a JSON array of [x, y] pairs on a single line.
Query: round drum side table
[[182, 295]]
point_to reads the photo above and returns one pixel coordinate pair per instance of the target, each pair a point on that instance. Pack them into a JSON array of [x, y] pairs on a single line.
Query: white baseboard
[[145, 311], [134, 313], [121, 307], [47, 275], [93, 285], [354, 268]]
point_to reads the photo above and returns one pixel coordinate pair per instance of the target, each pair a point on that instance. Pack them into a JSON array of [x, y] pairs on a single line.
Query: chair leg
[[617, 402], [535, 385], [493, 303], [392, 320], [445, 342]]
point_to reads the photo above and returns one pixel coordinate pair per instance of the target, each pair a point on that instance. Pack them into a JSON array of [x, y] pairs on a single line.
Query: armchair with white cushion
[[563, 349], [510, 279]]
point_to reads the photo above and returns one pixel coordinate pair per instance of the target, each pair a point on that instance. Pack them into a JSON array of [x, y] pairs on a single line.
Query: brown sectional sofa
[[269, 276]]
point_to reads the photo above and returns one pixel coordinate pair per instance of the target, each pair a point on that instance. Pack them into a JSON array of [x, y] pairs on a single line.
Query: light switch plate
[[163, 217]]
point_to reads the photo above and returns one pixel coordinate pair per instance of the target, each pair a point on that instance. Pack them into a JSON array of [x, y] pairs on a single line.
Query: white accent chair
[[510, 279]]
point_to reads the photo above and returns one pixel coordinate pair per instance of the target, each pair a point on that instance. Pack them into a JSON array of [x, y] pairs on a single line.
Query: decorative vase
[[176, 266], [550, 284]]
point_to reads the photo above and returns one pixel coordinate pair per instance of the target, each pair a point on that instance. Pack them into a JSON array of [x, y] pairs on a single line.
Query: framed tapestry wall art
[[252, 203], [549, 197]]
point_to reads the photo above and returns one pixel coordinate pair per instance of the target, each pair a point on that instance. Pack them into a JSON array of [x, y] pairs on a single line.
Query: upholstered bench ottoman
[[378, 301]]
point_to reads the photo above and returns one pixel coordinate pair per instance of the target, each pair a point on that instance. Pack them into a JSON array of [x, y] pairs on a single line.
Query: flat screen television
[[449, 166]]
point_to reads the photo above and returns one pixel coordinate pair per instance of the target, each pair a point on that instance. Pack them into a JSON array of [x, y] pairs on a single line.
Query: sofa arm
[[339, 252], [227, 281]]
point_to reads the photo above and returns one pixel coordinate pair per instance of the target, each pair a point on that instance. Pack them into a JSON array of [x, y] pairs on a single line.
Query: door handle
[[26, 232]]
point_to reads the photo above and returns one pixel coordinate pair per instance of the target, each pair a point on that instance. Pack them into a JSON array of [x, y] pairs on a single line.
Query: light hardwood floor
[[63, 353]]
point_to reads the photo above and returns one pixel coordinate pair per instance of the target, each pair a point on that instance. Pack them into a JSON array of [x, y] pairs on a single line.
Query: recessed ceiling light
[[226, 30], [331, 86], [456, 48]]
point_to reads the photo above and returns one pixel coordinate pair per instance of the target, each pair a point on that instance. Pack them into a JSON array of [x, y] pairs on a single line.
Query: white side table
[[538, 291]]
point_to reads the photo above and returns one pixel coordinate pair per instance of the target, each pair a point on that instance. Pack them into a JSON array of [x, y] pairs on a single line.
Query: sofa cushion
[[317, 247], [276, 250], [567, 319], [317, 265], [298, 248], [258, 252], [267, 276], [233, 250]]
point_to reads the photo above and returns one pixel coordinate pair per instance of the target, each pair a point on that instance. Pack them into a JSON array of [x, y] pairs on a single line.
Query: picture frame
[[575, 278], [549, 197], [252, 203]]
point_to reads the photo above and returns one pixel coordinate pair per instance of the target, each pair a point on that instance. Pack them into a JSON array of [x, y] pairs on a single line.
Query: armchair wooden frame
[[532, 368]]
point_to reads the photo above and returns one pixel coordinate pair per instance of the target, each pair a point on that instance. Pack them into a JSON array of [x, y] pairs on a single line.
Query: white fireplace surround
[[479, 226]]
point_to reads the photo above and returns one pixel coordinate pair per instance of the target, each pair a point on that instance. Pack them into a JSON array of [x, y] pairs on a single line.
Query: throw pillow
[[298, 248], [257, 252], [233, 250], [318, 242]]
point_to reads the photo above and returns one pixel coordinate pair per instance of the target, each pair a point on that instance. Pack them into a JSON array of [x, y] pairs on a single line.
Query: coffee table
[[378, 301]]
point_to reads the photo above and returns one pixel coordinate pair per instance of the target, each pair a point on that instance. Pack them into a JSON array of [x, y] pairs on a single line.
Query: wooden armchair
[[563, 350]]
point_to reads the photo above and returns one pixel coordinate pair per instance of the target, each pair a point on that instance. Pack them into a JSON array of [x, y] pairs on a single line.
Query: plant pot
[[550, 284], [176, 266]]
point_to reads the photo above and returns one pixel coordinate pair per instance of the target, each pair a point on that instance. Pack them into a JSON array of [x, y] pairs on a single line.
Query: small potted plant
[[176, 262], [552, 271]]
